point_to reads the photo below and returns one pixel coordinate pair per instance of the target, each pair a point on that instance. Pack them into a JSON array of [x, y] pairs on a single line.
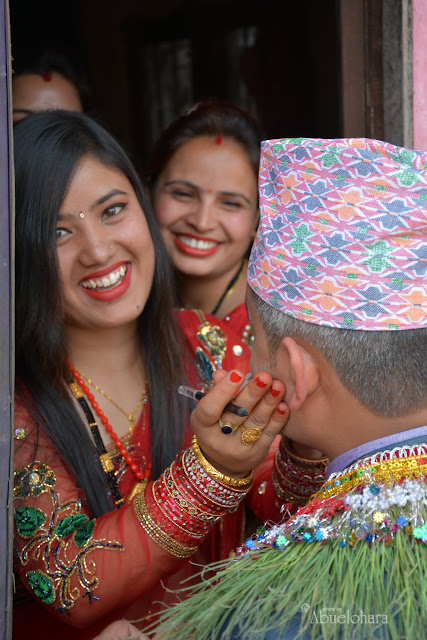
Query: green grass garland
[[269, 585]]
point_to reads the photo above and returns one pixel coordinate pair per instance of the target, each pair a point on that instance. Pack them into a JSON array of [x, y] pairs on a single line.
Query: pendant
[[138, 488], [214, 341]]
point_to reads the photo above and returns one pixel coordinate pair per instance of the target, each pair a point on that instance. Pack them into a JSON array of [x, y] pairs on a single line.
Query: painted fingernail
[[282, 411], [235, 377], [260, 383], [274, 392]]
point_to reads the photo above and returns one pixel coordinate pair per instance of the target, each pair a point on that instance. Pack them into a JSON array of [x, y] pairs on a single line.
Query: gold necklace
[[130, 416]]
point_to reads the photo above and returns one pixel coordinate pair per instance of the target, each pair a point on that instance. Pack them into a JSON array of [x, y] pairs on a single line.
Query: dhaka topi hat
[[342, 238]]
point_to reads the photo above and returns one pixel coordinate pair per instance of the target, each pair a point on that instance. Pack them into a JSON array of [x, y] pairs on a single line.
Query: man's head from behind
[[337, 274]]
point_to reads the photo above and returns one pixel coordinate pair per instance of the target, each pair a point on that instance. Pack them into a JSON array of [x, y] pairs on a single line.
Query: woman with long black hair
[[117, 497]]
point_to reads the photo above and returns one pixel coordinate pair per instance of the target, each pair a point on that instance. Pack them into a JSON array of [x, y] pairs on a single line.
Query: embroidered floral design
[[51, 538], [42, 586], [28, 520], [33, 480]]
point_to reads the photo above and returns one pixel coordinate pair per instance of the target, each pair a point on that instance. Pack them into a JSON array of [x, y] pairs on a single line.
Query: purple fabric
[[389, 442]]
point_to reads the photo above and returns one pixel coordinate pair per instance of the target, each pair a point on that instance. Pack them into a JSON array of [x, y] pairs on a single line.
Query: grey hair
[[385, 370]]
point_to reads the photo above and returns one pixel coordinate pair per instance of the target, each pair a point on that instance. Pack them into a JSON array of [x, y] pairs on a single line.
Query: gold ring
[[227, 427], [250, 435]]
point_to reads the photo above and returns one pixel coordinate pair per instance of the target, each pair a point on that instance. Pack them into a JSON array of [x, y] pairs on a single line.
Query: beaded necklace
[[107, 465], [230, 287]]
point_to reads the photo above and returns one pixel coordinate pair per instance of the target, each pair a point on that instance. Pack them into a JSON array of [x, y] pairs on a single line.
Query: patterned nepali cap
[[342, 239]]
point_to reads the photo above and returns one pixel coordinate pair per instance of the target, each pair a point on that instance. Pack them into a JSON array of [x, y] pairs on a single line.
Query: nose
[[203, 216], [96, 246]]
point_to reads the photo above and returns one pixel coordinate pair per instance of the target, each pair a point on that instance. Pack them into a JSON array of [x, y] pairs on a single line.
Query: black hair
[[55, 60], [385, 370], [48, 147], [211, 118]]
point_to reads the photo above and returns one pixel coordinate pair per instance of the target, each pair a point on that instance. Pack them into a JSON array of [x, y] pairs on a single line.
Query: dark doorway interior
[[148, 62]]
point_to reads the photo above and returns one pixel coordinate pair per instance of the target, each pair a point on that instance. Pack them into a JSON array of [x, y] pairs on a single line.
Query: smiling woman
[[115, 502], [112, 224], [204, 177]]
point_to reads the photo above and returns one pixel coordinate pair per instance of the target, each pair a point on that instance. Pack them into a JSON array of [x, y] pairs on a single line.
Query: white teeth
[[197, 244], [105, 281]]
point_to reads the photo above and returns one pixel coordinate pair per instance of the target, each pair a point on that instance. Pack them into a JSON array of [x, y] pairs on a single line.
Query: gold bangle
[[155, 532], [217, 475]]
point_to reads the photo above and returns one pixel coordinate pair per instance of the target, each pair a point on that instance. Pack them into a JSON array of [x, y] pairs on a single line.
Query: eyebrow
[[230, 194], [101, 200]]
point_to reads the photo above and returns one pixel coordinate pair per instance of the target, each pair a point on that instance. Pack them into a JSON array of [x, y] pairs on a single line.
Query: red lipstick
[[194, 251], [105, 272], [116, 291]]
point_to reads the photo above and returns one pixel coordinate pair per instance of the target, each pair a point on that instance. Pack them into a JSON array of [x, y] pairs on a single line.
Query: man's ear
[[304, 373]]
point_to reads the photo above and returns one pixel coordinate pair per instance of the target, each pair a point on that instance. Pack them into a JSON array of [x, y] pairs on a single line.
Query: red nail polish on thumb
[[235, 377]]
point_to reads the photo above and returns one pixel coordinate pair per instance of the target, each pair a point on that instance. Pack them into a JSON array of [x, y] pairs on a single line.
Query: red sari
[[76, 575]]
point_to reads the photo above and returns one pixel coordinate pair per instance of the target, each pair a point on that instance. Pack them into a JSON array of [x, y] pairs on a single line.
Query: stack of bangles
[[179, 509], [295, 479]]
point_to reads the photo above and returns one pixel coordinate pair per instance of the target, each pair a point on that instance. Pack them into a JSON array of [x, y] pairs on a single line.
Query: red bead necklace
[[141, 477]]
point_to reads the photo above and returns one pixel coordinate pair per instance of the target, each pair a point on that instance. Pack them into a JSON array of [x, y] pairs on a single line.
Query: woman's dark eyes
[[232, 203], [60, 233], [178, 193], [114, 209]]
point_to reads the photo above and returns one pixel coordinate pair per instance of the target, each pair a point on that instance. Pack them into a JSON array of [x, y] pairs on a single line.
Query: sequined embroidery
[[33, 480], [213, 339], [51, 539]]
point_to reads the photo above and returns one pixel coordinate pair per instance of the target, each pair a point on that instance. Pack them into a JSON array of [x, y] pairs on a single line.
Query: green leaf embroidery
[[42, 586], [28, 520], [69, 524], [84, 533]]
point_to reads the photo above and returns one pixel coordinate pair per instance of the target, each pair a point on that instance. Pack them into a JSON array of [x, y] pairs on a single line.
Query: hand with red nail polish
[[262, 397]]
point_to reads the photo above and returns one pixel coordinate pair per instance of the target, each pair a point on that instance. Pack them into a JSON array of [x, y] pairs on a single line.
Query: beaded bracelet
[[185, 502], [155, 532], [295, 478], [320, 463], [220, 477], [207, 487]]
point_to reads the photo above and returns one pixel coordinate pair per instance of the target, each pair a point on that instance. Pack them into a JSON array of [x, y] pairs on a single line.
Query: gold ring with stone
[[227, 427], [250, 435]]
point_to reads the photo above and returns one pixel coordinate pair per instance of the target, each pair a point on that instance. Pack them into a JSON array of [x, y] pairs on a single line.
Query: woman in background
[[204, 187]]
